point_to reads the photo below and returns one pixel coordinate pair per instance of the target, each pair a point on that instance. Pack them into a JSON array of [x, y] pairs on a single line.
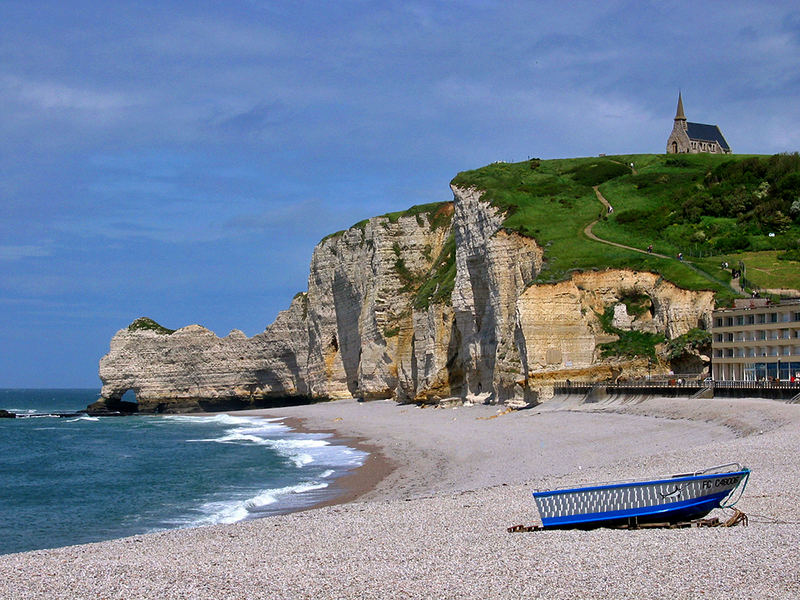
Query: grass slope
[[700, 205]]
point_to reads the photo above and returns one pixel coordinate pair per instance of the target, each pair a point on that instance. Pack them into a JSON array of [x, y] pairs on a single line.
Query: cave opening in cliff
[[127, 402]]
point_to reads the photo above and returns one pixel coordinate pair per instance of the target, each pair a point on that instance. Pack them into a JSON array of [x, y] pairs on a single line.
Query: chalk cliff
[[433, 304]]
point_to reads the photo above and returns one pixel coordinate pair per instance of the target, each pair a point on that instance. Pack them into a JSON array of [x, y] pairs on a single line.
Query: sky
[[180, 159]]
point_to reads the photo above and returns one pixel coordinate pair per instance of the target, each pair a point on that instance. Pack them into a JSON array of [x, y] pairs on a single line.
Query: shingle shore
[[436, 526]]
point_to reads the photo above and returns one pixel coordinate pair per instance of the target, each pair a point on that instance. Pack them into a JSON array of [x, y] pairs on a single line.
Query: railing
[[758, 385], [676, 381], [678, 386]]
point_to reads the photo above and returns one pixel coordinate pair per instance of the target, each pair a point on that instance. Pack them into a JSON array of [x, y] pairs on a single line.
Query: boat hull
[[664, 500]]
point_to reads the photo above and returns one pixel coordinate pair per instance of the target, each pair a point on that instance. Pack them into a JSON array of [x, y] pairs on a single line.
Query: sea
[[74, 480]]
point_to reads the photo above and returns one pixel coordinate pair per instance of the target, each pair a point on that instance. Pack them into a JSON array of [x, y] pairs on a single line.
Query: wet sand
[[432, 510]]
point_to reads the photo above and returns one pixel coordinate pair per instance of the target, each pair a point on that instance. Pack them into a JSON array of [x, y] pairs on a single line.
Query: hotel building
[[756, 340]]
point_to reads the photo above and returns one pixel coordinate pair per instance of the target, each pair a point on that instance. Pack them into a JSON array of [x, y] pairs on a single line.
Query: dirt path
[[588, 229], [733, 284], [633, 170]]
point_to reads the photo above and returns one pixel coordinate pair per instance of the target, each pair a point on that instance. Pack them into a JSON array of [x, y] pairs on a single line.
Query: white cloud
[[9, 253], [55, 95]]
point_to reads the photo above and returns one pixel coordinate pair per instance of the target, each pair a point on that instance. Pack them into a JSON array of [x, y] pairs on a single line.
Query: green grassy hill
[[710, 208]]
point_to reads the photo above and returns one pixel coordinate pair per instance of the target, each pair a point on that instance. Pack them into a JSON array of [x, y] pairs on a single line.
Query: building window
[[740, 320], [773, 317], [729, 322], [751, 319], [762, 318], [719, 321]]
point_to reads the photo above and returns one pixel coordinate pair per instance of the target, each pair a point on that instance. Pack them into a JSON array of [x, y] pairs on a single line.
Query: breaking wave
[[262, 504]]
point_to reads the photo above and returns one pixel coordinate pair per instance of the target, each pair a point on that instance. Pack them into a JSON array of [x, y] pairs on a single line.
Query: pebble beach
[[426, 516]]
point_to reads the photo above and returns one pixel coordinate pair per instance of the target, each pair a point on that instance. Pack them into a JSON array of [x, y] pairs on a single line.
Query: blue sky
[[180, 160]]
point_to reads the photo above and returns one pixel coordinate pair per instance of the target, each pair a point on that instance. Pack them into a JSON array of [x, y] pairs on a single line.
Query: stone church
[[695, 137]]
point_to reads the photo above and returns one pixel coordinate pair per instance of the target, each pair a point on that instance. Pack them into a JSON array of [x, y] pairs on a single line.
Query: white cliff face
[[352, 334], [493, 268], [361, 292], [379, 320], [193, 369]]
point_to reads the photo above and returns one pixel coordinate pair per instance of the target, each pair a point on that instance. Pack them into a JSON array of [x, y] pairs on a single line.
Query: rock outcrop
[[560, 322], [432, 304]]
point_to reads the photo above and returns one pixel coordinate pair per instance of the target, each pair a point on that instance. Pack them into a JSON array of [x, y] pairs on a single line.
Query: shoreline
[[356, 482], [435, 524]]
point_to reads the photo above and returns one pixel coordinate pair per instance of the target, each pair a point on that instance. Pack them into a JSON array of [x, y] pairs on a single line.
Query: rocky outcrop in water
[[433, 304]]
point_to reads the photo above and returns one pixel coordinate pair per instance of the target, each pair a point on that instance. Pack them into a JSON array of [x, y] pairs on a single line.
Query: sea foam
[[255, 506], [301, 449]]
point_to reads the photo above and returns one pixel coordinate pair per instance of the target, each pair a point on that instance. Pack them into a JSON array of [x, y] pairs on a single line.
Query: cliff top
[[148, 324], [713, 209]]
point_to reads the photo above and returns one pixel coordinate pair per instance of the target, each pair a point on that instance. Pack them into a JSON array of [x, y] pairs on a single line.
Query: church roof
[[706, 133]]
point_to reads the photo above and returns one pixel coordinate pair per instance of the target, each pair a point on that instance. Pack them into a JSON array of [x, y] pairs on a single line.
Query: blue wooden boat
[[669, 500]]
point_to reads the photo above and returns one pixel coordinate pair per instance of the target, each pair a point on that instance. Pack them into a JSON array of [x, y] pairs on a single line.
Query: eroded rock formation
[[432, 305]]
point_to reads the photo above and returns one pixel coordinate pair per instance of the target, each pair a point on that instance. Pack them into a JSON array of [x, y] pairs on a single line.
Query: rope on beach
[[771, 520], [500, 414]]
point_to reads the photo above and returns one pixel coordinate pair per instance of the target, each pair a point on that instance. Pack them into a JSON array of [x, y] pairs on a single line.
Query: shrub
[[731, 243], [147, 324], [793, 254], [698, 340], [595, 173], [795, 210]]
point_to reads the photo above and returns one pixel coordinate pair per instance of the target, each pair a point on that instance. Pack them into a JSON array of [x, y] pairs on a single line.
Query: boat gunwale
[[543, 494]]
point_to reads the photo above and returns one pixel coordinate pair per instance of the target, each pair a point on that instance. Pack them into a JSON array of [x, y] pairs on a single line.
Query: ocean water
[[83, 479]]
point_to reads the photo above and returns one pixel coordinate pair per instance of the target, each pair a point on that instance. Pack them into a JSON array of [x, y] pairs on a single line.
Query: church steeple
[[679, 116]]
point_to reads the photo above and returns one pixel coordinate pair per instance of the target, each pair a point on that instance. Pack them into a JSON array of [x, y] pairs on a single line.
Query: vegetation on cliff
[[693, 341], [147, 324], [438, 214], [440, 280], [630, 343], [706, 207]]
